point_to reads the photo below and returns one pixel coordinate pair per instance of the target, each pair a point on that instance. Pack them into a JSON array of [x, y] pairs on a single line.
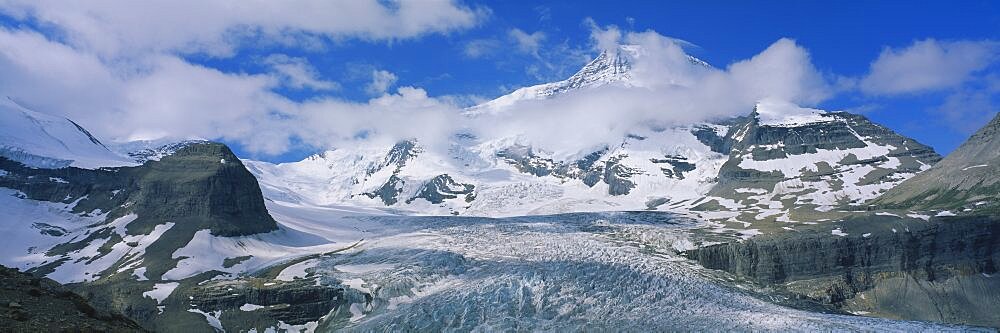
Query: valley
[[785, 218]]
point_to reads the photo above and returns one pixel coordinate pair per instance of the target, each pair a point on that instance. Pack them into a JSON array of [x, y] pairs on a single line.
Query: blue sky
[[460, 53]]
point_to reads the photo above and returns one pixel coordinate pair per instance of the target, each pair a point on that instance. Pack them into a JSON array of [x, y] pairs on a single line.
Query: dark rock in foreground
[[33, 304]]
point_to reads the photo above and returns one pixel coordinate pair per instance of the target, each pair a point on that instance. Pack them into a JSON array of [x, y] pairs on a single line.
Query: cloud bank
[[162, 95], [669, 89], [119, 69], [112, 28]]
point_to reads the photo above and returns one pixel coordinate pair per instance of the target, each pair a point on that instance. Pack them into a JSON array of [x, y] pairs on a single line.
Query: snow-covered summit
[[609, 67], [774, 112], [45, 141]]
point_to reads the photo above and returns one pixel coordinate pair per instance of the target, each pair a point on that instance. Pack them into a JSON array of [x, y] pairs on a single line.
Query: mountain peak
[[609, 67], [606, 68]]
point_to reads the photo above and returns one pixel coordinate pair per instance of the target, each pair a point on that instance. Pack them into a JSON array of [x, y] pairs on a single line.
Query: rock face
[[966, 179], [943, 269], [590, 169], [443, 187], [201, 186], [33, 304], [393, 162], [295, 303], [824, 159]]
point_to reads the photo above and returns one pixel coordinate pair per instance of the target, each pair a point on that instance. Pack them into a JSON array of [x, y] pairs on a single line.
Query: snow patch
[[212, 318], [297, 271], [974, 166], [772, 112], [161, 291], [251, 307]]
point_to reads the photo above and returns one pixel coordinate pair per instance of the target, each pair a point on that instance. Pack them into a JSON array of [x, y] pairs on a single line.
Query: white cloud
[[163, 95], [527, 43], [381, 81], [672, 90], [298, 73], [172, 101], [928, 65], [408, 113], [118, 67], [604, 38], [55, 77], [114, 27]]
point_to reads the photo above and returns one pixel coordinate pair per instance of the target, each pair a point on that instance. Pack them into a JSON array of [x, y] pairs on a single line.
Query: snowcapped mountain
[[498, 177], [789, 163], [608, 68], [759, 167], [45, 141], [185, 233]]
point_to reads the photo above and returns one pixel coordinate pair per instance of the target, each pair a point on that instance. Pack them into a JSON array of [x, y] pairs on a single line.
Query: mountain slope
[[779, 158], [45, 141], [965, 179], [783, 157], [32, 304], [760, 167], [147, 211]]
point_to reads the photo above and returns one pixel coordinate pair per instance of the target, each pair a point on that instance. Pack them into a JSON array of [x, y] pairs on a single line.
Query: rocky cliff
[[942, 270], [202, 186]]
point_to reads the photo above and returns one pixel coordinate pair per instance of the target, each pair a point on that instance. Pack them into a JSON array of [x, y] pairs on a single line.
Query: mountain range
[[183, 235]]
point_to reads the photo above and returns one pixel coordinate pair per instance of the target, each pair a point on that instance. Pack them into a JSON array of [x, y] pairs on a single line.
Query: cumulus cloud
[[604, 38], [119, 67], [408, 113], [297, 73], [928, 65], [381, 81], [160, 94], [673, 91], [217, 27]]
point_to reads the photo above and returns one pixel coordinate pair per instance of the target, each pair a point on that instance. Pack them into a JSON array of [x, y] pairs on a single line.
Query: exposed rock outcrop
[[202, 186], [942, 270], [754, 142], [33, 304], [443, 187]]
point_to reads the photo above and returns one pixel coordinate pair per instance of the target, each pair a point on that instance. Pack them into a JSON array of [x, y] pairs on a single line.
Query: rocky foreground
[[33, 304]]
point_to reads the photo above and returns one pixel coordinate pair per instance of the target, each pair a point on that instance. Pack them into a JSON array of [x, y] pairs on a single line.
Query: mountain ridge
[[964, 180]]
